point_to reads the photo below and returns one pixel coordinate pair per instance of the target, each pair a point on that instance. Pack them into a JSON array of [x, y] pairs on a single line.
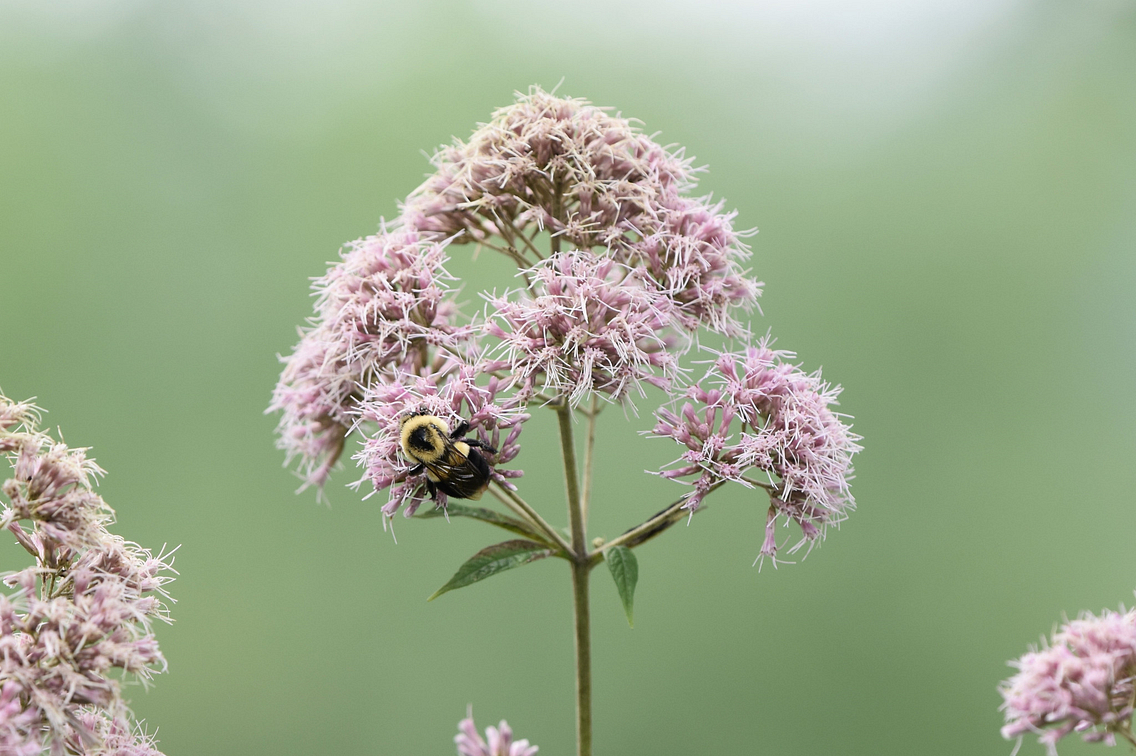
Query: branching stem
[[527, 242], [501, 497], [522, 507], [557, 203], [649, 528]]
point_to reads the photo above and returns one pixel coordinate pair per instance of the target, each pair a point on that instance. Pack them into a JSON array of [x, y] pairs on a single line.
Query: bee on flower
[[620, 268]]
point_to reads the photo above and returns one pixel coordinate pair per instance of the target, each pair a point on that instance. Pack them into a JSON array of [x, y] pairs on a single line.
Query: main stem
[[580, 570], [583, 660], [589, 459]]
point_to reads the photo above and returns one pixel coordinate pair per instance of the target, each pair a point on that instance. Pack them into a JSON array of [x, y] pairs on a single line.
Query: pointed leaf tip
[[493, 559], [625, 572]]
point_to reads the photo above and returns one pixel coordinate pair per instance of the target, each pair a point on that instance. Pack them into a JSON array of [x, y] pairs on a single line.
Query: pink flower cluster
[[453, 394], [80, 618], [590, 324], [644, 267], [648, 266], [386, 308], [592, 179], [1082, 681], [755, 411], [498, 740], [116, 736]]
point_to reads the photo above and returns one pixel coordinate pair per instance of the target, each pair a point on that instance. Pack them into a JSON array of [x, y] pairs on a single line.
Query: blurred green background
[[946, 194]]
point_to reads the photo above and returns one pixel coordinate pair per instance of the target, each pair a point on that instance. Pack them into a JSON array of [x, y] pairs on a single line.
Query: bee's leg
[[432, 489], [459, 431], [475, 444], [416, 470]]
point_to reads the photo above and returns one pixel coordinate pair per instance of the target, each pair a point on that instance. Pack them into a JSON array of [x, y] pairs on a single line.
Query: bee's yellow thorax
[[424, 437]]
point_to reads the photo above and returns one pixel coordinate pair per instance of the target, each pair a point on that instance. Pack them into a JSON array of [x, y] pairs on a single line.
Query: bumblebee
[[452, 462]]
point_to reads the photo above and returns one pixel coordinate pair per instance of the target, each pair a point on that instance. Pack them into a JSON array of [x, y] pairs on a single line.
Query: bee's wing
[[456, 470]]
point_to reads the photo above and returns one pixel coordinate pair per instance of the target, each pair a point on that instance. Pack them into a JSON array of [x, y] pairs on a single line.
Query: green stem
[[523, 508], [580, 572], [513, 507], [557, 208], [648, 529], [571, 479], [589, 459]]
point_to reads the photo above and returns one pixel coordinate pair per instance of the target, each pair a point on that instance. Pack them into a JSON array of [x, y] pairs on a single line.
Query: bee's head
[[423, 435]]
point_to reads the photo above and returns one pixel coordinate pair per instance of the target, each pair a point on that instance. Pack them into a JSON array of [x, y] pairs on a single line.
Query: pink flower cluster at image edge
[[1081, 681], [498, 741], [80, 617]]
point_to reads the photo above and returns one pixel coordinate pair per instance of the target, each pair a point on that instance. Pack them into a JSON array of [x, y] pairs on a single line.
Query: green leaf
[[493, 559], [625, 572], [485, 515]]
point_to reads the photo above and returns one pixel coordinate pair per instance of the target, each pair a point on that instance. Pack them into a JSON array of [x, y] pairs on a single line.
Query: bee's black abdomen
[[479, 463]]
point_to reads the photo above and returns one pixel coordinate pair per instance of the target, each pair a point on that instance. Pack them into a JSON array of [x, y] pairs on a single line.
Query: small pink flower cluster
[[498, 740], [79, 618], [754, 410], [1082, 681], [451, 393], [595, 181], [387, 308], [590, 325]]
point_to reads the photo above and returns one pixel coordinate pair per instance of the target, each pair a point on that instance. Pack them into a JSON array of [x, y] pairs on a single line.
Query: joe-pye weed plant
[[620, 267], [1082, 679], [77, 623]]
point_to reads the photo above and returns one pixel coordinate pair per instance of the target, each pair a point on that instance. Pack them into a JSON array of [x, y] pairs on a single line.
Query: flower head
[[591, 325], [498, 740], [1082, 681], [454, 395], [387, 307], [755, 411], [118, 737], [13, 414], [648, 261], [593, 180], [81, 617], [622, 266]]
